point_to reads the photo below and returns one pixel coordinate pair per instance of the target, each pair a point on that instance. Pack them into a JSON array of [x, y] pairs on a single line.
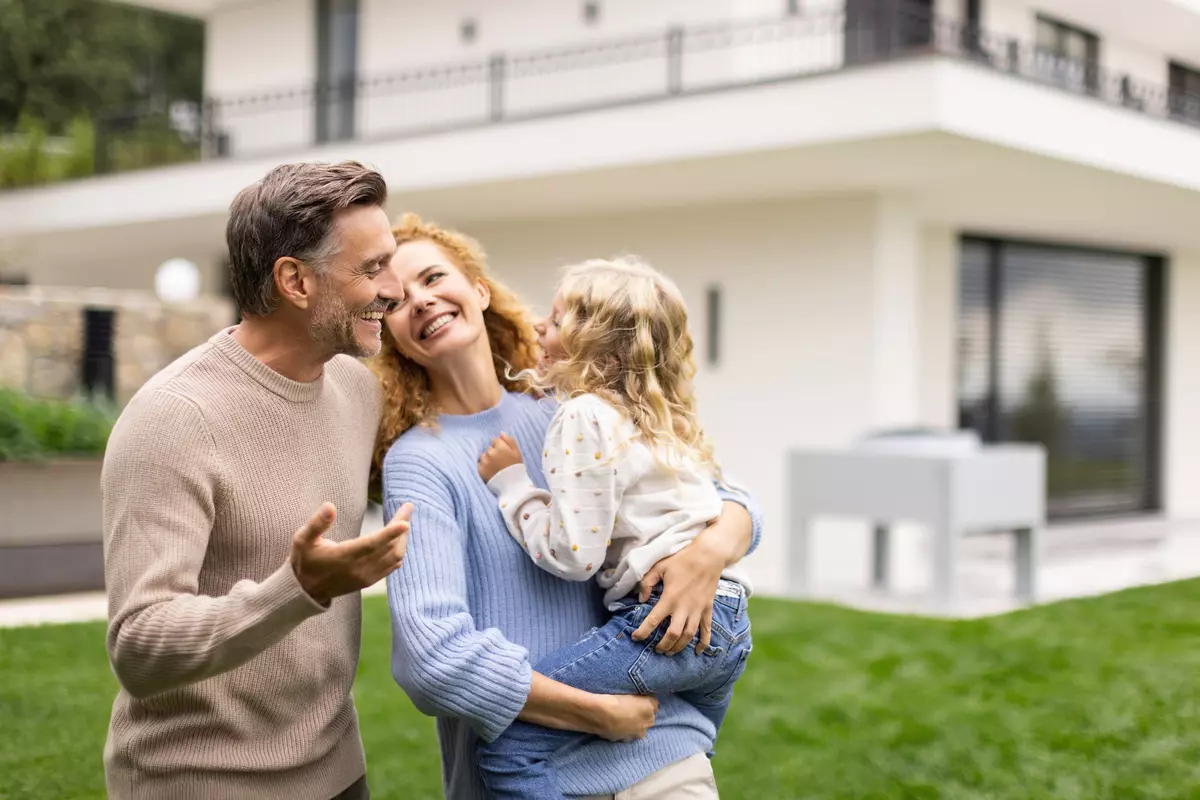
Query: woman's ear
[[485, 295]]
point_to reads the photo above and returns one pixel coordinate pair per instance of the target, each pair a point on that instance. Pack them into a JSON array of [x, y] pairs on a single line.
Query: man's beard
[[333, 327]]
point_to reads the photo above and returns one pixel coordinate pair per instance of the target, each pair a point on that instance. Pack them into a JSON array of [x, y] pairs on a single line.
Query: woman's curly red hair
[[407, 399]]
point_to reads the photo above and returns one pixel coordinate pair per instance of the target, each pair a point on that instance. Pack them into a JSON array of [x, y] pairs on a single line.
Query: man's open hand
[[328, 569]]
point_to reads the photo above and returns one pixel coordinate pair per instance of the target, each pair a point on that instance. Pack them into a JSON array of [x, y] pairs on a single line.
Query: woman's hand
[[616, 717], [690, 579], [503, 454], [625, 717]]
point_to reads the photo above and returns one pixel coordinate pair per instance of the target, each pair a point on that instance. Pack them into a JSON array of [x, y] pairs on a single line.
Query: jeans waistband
[[732, 594]]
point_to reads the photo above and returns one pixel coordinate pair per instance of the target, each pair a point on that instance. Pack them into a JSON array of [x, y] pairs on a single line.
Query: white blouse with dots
[[613, 510]]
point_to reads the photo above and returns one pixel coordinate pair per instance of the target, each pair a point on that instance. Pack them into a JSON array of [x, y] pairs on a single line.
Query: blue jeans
[[608, 661]]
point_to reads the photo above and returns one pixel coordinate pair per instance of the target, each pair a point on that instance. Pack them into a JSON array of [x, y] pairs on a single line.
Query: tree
[[65, 59], [1041, 417]]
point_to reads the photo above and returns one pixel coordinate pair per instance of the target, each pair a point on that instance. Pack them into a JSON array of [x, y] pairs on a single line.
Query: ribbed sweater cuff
[[509, 697], [282, 596], [747, 502]]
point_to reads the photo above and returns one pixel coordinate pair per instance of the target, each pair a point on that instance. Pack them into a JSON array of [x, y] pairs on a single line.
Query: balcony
[[652, 68]]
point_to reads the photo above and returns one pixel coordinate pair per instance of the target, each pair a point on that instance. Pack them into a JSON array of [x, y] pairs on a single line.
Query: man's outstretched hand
[[328, 569]]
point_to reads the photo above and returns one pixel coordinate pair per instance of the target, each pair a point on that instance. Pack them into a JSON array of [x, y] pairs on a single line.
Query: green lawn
[[1088, 699]]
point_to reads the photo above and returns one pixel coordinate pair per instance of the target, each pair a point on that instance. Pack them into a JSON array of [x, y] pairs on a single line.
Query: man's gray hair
[[290, 213]]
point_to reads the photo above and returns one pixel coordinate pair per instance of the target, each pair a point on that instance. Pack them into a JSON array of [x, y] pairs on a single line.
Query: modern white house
[[883, 213]]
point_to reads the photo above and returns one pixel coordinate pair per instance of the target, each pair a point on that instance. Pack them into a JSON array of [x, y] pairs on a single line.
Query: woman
[[470, 612]]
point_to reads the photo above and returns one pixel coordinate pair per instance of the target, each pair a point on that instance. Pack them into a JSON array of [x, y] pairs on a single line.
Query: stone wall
[[41, 335]]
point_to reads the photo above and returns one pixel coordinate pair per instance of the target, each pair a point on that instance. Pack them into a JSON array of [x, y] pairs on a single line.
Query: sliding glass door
[[1061, 346]]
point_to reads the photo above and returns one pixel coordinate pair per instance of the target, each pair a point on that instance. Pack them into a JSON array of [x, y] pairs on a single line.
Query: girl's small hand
[[503, 454]]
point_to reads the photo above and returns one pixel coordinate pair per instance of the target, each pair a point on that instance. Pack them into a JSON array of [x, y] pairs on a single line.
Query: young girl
[[631, 481]]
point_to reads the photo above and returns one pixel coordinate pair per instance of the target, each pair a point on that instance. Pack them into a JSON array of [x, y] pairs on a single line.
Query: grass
[[1087, 699]]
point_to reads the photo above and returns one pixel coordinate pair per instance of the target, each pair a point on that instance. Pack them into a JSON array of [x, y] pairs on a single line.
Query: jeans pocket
[[732, 670], [656, 673]]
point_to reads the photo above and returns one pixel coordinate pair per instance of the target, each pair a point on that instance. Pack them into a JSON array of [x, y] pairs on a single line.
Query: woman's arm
[[441, 660], [742, 520], [620, 718]]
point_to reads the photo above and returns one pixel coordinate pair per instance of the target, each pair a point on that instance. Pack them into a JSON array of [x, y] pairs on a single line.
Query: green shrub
[[81, 161], [32, 157], [33, 429]]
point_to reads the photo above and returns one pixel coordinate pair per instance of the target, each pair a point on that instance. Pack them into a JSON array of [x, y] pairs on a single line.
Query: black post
[[98, 366], [496, 70], [675, 60], [881, 555]]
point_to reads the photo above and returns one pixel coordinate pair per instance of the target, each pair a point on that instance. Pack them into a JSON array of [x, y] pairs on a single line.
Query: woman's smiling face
[[441, 310]]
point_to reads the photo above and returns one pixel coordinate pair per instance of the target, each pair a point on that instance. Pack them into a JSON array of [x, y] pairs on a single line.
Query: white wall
[[268, 45], [260, 44], [894, 308], [261, 49], [399, 40], [396, 35], [118, 257], [265, 47], [1009, 18], [1181, 437], [938, 327]]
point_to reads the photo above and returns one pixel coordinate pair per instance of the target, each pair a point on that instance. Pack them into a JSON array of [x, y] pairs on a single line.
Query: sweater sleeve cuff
[[282, 595], [510, 700], [510, 481], [744, 499]]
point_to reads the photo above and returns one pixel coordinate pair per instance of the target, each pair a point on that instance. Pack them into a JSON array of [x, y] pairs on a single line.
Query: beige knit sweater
[[234, 683]]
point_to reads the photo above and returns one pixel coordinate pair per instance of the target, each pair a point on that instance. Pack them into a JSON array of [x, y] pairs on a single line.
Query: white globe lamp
[[177, 280]]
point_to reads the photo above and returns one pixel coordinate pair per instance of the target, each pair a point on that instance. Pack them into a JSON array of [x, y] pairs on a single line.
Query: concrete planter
[[51, 538]]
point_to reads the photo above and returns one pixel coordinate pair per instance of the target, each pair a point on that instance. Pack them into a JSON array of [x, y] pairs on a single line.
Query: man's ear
[[295, 282]]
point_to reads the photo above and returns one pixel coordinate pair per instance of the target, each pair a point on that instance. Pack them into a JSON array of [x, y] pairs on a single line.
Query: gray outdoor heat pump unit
[[946, 481]]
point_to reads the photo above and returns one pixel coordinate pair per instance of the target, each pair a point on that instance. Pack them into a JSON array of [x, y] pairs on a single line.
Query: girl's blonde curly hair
[[407, 399], [625, 337]]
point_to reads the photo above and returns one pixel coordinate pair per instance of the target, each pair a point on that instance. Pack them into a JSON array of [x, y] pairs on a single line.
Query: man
[[234, 611]]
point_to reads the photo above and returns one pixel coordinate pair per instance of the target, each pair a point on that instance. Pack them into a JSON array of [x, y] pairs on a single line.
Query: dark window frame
[[972, 27], [1062, 30], [337, 95], [1154, 319], [884, 29], [1184, 92]]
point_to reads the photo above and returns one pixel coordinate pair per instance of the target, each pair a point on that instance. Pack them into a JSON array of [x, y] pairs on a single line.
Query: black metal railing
[[676, 62]]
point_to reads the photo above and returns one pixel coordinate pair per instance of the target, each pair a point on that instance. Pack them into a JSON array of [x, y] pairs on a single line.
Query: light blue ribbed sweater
[[471, 612]]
